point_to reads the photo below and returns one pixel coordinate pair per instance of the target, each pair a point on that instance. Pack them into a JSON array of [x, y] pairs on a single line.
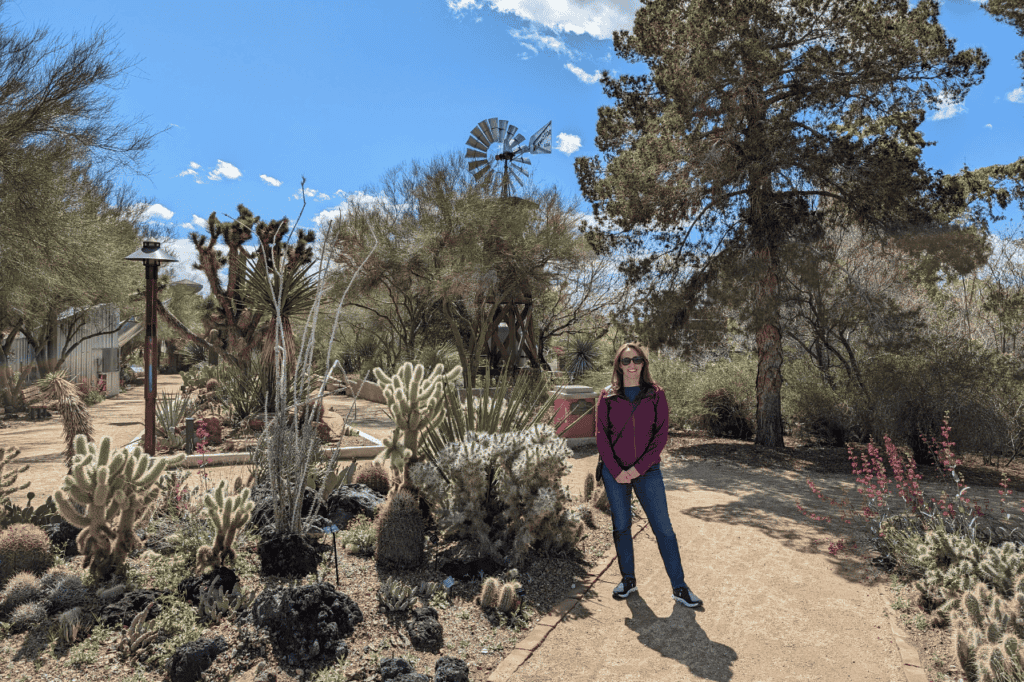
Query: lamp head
[[151, 253]]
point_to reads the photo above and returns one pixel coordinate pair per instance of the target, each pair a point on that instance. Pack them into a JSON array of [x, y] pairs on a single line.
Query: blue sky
[[258, 94]]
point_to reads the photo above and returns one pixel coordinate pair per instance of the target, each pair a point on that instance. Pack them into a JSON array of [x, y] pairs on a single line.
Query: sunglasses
[[636, 361]]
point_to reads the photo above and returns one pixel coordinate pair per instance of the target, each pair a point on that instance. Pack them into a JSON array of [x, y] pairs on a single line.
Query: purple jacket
[[631, 434]]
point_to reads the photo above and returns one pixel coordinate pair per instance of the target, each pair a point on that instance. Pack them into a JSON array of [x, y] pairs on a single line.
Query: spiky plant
[[9, 474], [111, 491], [415, 399], [490, 591], [228, 514], [77, 422]]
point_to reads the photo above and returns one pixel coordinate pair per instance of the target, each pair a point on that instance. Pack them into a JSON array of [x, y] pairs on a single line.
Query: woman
[[632, 430]]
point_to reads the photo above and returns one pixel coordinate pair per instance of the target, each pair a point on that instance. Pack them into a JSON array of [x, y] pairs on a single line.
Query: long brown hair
[[645, 373]]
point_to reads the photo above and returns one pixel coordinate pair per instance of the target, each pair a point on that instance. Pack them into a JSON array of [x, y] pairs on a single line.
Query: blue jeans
[[650, 490]]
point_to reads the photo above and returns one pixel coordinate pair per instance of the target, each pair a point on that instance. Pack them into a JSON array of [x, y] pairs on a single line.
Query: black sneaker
[[686, 596], [625, 588]]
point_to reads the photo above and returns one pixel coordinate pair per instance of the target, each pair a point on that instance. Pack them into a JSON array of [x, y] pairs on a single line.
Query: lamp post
[[151, 255]]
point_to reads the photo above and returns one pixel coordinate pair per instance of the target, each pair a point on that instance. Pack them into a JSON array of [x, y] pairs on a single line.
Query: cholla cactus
[[506, 494], [114, 489], [415, 399], [140, 634], [8, 476], [228, 514]]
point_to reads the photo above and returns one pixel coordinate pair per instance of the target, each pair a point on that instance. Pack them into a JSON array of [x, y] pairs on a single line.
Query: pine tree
[[753, 115]]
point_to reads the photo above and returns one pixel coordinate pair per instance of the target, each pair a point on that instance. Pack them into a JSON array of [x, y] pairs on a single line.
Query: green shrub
[[24, 547], [93, 397], [813, 409], [979, 389], [726, 417]]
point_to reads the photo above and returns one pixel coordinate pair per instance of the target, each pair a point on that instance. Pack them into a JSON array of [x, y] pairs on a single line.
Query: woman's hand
[[632, 473], [623, 477]]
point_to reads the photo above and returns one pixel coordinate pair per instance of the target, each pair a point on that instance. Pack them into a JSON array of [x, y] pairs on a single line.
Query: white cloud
[[157, 211], [185, 251], [461, 5], [314, 194], [537, 40], [1016, 96], [196, 223], [988, 125], [193, 171], [568, 143], [598, 18], [270, 181], [583, 75], [947, 108], [224, 170]]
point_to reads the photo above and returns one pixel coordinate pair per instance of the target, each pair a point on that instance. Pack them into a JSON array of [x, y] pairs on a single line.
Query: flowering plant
[[874, 488]]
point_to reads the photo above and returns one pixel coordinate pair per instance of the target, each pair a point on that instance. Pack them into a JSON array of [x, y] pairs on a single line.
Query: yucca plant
[[171, 410], [56, 386]]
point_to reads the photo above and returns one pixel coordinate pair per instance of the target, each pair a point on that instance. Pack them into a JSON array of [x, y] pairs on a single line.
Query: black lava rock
[[287, 556], [188, 661], [63, 534], [425, 631], [412, 677], [353, 499], [121, 612], [192, 586], [449, 669], [390, 668], [307, 623]]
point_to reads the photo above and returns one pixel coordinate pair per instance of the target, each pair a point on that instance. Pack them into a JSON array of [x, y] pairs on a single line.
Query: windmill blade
[[511, 131], [476, 144], [474, 154], [483, 132], [502, 127], [519, 140], [540, 141], [492, 126], [478, 167]]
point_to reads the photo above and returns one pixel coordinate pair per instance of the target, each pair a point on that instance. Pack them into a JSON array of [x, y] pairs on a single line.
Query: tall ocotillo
[[416, 403]]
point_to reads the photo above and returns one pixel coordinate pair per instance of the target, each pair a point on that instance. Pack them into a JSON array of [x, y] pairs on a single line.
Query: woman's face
[[631, 370]]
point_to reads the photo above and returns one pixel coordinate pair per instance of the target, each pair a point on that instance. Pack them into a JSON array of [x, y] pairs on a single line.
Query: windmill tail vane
[[496, 150]]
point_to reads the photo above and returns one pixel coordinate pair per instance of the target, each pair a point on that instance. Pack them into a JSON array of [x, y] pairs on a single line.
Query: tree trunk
[[769, 357]]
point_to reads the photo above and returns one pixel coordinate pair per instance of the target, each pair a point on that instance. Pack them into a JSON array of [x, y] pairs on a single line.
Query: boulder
[[192, 586]]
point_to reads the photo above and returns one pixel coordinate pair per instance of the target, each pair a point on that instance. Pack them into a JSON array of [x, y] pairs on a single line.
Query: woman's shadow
[[680, 638]]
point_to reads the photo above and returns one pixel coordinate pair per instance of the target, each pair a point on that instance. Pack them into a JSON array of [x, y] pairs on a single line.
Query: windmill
[[496, 148]]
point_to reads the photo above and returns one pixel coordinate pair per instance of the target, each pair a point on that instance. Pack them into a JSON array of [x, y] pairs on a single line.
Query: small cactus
[[401, 532], [228, 514], [214, 604], [374, 477], [21, 589], [588, 487], [24, 547], [27, 615], [139, 635], [489, 595], [508, 598]]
